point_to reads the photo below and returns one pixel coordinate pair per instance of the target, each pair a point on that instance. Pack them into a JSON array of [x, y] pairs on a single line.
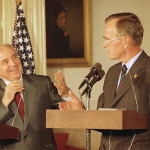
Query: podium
[[8, 132], [96, 119]]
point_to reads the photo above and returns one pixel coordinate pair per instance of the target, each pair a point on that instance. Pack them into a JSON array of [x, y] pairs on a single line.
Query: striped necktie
[[20, 105], [123, 74]]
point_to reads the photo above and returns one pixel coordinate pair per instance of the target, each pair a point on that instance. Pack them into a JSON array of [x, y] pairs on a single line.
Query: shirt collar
[[7, 81], [131, 62]]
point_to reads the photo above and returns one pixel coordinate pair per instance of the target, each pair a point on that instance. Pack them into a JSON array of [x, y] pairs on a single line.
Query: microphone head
[[93, 71], [97, 66], [97, 77], [101, 73]]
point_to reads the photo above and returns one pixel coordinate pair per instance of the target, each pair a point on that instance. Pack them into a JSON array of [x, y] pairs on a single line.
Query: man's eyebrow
[[105, 37], [1, 49], [3, 60], [14, 54]]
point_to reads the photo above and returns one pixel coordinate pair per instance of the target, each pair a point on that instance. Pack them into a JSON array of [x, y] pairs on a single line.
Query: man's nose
[[12, 62], [104, 44]]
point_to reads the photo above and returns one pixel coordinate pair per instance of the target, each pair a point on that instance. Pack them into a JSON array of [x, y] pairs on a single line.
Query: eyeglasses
[[108, 42]]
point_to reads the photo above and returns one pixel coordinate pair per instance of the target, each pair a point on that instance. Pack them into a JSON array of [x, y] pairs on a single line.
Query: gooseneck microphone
[[95, 78], [94, 71]]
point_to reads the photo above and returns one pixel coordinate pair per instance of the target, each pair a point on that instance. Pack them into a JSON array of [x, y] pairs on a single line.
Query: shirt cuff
[[67, 98]]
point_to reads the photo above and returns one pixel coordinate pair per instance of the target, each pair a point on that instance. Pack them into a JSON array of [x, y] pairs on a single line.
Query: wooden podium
[[96, 119], [8, 132]]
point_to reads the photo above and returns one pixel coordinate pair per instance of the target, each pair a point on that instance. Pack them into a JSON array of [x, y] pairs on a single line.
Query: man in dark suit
[[37, 92], [123, 36]]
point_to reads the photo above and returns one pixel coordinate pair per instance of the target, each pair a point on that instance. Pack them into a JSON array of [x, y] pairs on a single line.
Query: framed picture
[[68, 33]]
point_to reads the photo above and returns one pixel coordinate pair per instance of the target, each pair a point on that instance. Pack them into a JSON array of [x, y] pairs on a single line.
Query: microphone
[[94, 71], [96, 78]]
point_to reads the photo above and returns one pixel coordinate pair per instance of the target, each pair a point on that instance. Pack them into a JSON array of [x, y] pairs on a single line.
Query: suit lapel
[[112, 80], [133, 75], [29, 97], [127, 84], [2, 88], [13, 108], [115, 80]]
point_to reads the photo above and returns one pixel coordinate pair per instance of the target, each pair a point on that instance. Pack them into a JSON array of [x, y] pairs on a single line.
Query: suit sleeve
[[53, 93], [5, 114]]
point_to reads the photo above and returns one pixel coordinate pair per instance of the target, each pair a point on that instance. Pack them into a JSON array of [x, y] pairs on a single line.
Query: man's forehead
[[6, 48], [111, 24], [1, 49], [110, 28]]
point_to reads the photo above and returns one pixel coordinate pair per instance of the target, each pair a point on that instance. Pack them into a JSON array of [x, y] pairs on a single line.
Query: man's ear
[[127, 42]]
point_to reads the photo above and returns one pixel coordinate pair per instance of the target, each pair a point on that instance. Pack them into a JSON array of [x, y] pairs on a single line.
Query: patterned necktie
[[20, 105], [123, 73]]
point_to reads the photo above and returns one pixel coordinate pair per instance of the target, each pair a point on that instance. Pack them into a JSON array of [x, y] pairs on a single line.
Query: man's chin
[[15, 78], [111, 58]]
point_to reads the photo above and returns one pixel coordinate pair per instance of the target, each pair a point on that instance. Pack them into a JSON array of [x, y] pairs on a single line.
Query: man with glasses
[[127, 84]]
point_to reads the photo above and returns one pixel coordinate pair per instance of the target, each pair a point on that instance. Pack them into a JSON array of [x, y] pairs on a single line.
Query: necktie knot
[[123, 70]]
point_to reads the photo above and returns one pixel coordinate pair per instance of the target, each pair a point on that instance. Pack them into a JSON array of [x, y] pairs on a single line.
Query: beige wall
[[74, 76]]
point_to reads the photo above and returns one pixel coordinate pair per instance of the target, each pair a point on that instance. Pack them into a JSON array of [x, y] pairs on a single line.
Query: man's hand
[[61, 85], [10, 90], [74, 104]]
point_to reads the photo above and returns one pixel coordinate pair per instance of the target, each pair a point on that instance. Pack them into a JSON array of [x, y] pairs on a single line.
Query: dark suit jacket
[[125, 98], [39, 95]]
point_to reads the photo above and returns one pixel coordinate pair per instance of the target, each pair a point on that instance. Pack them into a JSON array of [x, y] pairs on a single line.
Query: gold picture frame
[[86, 61]]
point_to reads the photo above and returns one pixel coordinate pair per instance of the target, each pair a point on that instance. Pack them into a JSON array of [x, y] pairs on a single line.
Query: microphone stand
[[88, 131]]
